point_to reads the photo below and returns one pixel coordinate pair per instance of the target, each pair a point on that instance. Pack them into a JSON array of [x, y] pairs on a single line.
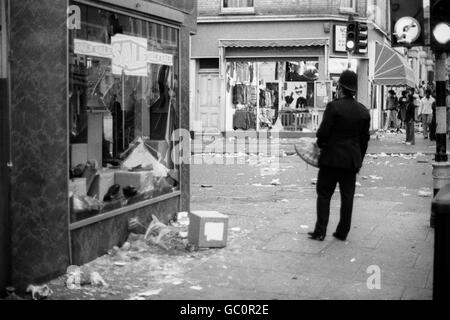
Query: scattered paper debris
[[198, 288], [375, 177], [39, 292], [236, 229], [149, 293], [353, 260], [304, 227], [97, 280], [405, 194], [275, 182], [183, 234], [425, 193], [358, 184], [359, 195], [120, 264]]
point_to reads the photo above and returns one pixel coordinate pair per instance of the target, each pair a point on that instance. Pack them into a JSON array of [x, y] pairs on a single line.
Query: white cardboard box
[[208, 229]]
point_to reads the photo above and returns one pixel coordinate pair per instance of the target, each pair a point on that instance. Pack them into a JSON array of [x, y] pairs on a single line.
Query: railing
[[296, 121]]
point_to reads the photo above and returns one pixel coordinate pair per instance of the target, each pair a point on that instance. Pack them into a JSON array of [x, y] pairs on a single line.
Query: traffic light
[[407, 23], [362, 34], [351, 35], [440, 25]]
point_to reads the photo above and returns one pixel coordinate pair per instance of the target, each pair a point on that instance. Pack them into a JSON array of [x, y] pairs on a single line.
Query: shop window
[[266, 92], [238, 6], [209, 63], [347, 6], [123, 95]]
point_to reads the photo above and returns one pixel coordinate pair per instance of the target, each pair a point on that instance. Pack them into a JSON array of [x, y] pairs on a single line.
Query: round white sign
[[407, 30]]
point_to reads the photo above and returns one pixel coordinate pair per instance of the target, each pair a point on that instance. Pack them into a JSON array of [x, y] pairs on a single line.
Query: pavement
[[269, 256]]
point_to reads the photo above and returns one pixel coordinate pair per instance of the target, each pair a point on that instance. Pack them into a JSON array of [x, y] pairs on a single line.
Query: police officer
[[343, 138]]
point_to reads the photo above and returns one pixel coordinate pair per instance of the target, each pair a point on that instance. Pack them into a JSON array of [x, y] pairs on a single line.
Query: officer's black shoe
[[316, 236], [337, 236]]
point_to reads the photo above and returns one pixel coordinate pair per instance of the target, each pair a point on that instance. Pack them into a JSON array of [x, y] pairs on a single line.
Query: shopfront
[[275, 83], [96, 94]]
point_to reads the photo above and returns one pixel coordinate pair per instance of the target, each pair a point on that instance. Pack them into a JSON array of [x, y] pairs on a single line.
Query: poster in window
[[324, 93], [295, 94], [340, 38]]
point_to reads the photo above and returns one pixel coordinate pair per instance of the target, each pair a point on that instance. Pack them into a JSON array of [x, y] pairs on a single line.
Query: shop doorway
[[208, 103]]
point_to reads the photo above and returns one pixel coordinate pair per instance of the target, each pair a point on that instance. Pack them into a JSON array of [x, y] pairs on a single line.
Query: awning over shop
[[272, 43], [391, 69]]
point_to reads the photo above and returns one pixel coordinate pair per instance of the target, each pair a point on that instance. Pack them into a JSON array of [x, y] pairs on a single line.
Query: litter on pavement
[[197, 288], [275, 182], [425, 193], [164, 236], [149, 293], [39, 292]]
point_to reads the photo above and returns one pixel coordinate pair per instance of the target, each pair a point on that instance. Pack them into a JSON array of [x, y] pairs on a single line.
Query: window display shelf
[[111, 214]]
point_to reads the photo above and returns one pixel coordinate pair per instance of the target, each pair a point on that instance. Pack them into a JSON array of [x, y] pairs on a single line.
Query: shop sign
[[129, 54], [93, 49], [339, 65], [340, 38]]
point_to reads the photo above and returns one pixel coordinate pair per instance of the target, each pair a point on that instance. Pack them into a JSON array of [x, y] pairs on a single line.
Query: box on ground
[[208, 229]]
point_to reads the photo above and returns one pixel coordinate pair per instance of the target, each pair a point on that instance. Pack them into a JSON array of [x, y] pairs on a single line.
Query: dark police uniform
[[343, 138]]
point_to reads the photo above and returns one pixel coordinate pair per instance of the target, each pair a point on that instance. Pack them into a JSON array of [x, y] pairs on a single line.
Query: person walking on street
[[343, 138], [426, 112], [403, 101], [410, 120], [391, 107]]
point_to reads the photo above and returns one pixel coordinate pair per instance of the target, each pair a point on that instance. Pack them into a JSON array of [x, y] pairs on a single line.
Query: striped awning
[[391, 69], [272, 43]]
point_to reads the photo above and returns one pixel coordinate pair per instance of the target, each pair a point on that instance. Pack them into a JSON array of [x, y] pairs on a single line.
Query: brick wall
[[282, 7]]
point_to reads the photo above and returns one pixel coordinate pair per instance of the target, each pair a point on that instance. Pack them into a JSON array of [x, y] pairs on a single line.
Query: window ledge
[[108, 215], [244, 10]]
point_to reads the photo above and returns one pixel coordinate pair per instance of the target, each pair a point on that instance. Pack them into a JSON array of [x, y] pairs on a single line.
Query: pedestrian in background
[[422, 90], [402, 103], [343, 138], [426, 112], [410, 120], [391, 107], [413, 93]]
